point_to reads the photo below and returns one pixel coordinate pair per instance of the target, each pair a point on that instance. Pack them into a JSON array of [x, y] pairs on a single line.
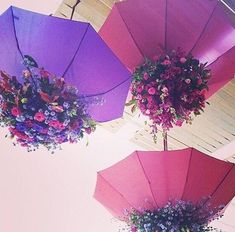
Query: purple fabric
[[66, 48], [202, 27]]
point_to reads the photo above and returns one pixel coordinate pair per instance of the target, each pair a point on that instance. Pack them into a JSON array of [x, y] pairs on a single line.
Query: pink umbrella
[[148, 179], [201, 27]]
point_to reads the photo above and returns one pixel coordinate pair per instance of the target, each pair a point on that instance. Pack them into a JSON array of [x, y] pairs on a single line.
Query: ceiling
[[40, 6], [43, 193]]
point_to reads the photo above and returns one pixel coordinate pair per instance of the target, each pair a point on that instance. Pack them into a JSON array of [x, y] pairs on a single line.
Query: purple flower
[[21, 127], [37, 127]]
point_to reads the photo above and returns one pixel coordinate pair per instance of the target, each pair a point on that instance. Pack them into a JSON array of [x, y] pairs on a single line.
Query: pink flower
[[44, 131], [146, 76], [199, 81], [133, 229], [28, 123], [39, 116], [166, 62], [139, 88], [203, 92], [20, 135], [88, 130], [179, 122], [59, 82], [187, 81], [152, 91], [182, 60], [150, 100], [147, 112], [142, 107], [26, 73], [44, 73], [4, 106], [155, 58], [15, 111], [56, 124], [165, 90]]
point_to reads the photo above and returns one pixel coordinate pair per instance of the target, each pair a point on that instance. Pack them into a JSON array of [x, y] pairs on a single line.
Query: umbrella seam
[[79, 45], [146, 178], [204, 28], [187, 173], [116, 191], [14, 30], [128, 29], [98, 94], [221, 182], [166, 17]]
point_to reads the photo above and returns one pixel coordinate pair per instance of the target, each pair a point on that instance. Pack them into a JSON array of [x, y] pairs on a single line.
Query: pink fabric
[[148, 179], [202, 27]]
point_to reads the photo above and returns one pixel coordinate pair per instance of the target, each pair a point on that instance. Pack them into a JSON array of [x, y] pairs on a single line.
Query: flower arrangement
[[180, 216], [42, 109], [169, 88]]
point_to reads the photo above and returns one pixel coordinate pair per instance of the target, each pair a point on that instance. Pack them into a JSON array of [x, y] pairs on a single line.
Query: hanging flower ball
[[178, 216], [169, 89], [42, 109]]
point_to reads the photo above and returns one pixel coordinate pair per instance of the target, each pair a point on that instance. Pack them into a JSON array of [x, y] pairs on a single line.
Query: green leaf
[[133, 108], [131, 102]]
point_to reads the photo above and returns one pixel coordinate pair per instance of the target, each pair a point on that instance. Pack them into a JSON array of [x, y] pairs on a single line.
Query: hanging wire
[[227, 5], [73, 9]]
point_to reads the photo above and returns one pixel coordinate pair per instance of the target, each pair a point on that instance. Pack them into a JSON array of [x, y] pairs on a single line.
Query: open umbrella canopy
[[69, 49], [187, 175], [200, 27]]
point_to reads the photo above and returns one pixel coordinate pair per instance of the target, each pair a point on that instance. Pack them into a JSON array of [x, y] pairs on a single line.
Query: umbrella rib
[[204, 28], [166, 23], [117, 191], [79, 45], [146, 179], [221, 182], [128, 29], [187, 173], [14, 30]]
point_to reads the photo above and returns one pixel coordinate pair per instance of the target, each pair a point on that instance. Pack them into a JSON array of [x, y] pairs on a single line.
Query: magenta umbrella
[[187, 175], [201, 27]]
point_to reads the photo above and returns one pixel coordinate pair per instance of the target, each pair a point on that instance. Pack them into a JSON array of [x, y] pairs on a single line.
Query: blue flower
[[46, 112], [21, 127], [37, 127], [66, 105]]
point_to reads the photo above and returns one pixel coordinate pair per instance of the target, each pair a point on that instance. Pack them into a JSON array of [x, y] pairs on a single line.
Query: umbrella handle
[[165, 143]]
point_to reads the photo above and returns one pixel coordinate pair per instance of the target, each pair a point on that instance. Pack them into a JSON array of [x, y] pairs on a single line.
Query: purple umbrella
[[69, 49]]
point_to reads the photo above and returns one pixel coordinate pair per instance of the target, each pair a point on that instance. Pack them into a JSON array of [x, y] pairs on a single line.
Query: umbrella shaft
[[165, 144]]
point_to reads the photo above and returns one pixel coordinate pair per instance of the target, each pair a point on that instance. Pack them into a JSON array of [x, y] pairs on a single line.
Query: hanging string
[[73, 9]]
